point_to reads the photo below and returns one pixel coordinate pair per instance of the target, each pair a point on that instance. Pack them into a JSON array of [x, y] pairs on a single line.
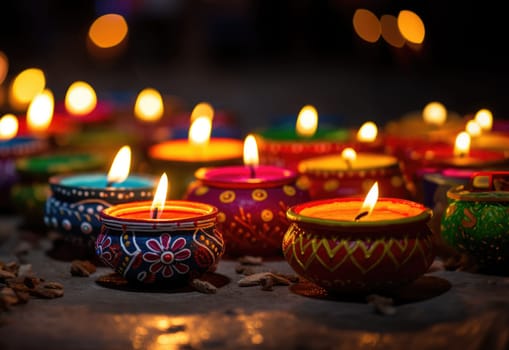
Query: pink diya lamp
[[351, 174], [252, 200], [355, 245], [182, 157], [160, 242]]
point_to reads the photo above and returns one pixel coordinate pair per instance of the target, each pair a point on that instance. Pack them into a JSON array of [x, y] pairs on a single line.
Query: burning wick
[[361, 215], [252, 172], [349, 155], [155, 211]]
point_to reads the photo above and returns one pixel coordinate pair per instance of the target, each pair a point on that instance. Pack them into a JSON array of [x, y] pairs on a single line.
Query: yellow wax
[[348, 210], [364, 161], [181, 150]]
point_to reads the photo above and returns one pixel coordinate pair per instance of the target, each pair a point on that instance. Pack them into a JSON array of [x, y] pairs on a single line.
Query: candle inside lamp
[[251, 154], [369, 202], [156, 209]]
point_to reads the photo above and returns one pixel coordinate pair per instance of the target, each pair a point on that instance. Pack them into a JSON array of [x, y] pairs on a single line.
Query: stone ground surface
[[444, 309]]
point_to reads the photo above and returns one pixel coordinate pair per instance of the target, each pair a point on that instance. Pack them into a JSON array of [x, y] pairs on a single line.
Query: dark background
[[268, 58]]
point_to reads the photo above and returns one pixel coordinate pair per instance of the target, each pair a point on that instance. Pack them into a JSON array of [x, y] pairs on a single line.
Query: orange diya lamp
[[351, 174], [182, 157], [160, 242], [252, 200], [356, 245]]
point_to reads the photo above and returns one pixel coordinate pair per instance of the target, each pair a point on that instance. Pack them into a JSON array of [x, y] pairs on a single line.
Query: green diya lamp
[[29, 194], [476, 221]]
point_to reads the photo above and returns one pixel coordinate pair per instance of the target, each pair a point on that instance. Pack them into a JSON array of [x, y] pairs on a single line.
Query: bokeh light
[[4, 66], [149, 105], [366, 25], [390, 31], [411, 26], [80, 98], [25, 86], [8, 127], [108, 30]]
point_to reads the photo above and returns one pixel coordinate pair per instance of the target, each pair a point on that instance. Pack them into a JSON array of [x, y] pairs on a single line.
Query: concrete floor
[[456, 310]]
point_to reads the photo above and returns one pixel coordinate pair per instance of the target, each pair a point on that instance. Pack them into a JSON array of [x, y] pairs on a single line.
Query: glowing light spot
[[40, 112], [307, 121], [4, 67], [462, 144], [434, 113], [8, 127], [366, 25], [149, 105], [25, 86], [411, 26], [202, 109], [390, 31], [108, 30], [80, 98], [484, 118], [473, 128], [367, 132]]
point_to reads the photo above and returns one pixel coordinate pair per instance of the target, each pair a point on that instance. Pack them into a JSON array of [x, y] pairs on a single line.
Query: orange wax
[[183, 151], [347, 210], [364, 161]]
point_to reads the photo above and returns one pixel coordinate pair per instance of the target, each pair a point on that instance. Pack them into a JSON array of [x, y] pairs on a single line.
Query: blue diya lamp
[[180, 244], [476, 221], [76, 201]]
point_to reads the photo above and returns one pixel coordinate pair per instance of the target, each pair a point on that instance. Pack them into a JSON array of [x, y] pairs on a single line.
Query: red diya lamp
[[286, 147], [351, 174], [160, 242], [434, 124], [355, 245], [13, 147], [182, 157], [443, 155], [252, 200], [82, 105]]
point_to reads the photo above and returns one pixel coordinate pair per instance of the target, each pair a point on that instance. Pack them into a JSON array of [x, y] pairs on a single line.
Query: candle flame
[[367, 132], [369, 201], [149, 105], [485, 119], [40, 111], [199, 132], [349, 154], [119, 170], [307, 121], [8, 127], [250, 151], [157, 206], [202, 109], [80, 98], [473, 128], [434, 113], [462, 144]]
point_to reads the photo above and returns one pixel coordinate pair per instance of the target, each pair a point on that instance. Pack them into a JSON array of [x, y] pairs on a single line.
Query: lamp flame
[[307, 121], [202, 109], [149, 105], [485, 119], [367, 132], [40, 111], [250, 151], [434, 113], [473, 128], [80, 98], [8, 127], [199, 132], [119, 170], [157, 207], [369, 202], [462, 144], [349, 155]]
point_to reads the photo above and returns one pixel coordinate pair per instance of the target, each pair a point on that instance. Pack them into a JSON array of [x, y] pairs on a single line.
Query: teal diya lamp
[[75, 200], [476, 220]]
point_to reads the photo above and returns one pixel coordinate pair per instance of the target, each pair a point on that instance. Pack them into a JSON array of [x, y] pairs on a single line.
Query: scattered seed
[[203, 286]]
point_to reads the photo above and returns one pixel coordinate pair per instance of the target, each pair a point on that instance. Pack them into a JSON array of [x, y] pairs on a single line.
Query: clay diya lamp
[[181, 158], [344, 246], [476, 221], [287, 144], [160, 242], [352, 174], [13, 147], [252, 201], [76, 200]]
